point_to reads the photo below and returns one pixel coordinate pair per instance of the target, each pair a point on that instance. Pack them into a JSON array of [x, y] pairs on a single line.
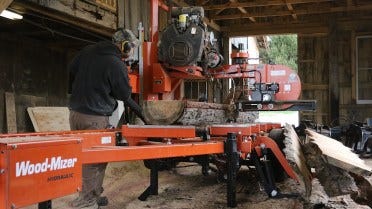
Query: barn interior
[[334, 62]]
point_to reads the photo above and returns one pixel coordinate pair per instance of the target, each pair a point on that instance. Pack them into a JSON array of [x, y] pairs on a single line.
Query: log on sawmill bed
[[167, 112]]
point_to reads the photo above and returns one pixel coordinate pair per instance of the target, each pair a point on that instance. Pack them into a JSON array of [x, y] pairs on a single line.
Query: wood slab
[[338, 155], [294, 154], [49, 118]]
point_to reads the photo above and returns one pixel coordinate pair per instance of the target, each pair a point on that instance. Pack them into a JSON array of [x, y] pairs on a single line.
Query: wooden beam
[[201, 2], [290, 8], [334, 73], [355, 23], [349, 2], [264, 29], [219, 11], [181, 3], [212, 24], [209, 22], [241, 9], [308, 86], [99, 29], [244, 11], [275, 13], [260, 4], [353, 65]]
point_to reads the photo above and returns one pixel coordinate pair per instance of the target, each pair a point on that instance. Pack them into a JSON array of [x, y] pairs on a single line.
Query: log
[[167, 112], [206, 105]]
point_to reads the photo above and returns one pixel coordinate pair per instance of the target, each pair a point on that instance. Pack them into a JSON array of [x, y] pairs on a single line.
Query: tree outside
[[281, 49]]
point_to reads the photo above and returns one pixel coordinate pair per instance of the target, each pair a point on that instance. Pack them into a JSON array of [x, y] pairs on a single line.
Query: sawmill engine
[[186, 41]]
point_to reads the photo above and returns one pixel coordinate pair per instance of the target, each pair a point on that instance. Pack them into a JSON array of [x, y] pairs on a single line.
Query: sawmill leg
[[264, 171], [153, 188], [45, 205], [232, 167]]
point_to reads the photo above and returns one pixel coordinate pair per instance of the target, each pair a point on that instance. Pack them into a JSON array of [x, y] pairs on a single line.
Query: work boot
[[80, 202], [95, 206], [366, 155], [102, 201]]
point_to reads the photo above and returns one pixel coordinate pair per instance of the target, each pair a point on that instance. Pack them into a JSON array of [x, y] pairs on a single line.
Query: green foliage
[[282, 50]]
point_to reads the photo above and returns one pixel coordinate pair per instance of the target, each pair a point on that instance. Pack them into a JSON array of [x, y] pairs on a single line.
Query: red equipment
[[52, 161], [187, 51]]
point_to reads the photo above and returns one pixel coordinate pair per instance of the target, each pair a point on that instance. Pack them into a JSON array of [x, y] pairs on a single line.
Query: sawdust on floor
[[184, 188]]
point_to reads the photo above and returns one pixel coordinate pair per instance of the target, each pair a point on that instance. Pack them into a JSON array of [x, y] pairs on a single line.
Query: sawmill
[[185, 104]]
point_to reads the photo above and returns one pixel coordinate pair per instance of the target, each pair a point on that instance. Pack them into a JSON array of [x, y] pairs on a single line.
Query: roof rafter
[[260, 29], [201, 2], [260, 4], [209, 22], [242, 10], [275, 13], [290, 8]]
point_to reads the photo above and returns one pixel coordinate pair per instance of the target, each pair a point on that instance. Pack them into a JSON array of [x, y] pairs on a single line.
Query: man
[[98, 78]]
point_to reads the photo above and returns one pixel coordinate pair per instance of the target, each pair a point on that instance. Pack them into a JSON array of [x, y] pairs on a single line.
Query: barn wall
[[313, 71], [349, 109], [91, 11], [36, 74], [327, 64], [135, 12]]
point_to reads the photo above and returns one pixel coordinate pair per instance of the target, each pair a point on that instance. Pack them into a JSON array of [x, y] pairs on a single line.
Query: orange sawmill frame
[[97, 146]]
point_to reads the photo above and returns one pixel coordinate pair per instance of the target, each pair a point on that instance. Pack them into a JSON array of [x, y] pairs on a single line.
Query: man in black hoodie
[[98, 78]]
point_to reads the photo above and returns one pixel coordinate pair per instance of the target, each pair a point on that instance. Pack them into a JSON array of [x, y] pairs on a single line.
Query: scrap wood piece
[[49, 118], [295, 156], [338, 155], [4, 4], [11, 120]]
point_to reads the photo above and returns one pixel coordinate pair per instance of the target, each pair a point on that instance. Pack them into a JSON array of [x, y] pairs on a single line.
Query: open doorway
[[269, 49]]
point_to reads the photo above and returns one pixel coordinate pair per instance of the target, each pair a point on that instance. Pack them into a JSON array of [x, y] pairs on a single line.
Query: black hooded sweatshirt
[[98, 77]]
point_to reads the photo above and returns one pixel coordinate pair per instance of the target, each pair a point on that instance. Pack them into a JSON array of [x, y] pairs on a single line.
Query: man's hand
[[141, 121], [144, 120]]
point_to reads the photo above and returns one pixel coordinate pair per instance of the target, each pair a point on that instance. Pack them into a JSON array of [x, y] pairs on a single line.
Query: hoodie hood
[[107, 48]]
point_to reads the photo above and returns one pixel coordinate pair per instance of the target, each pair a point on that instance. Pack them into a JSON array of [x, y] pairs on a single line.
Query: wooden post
[[121, 14], [334, 87], [353, 66], [11, 120]]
